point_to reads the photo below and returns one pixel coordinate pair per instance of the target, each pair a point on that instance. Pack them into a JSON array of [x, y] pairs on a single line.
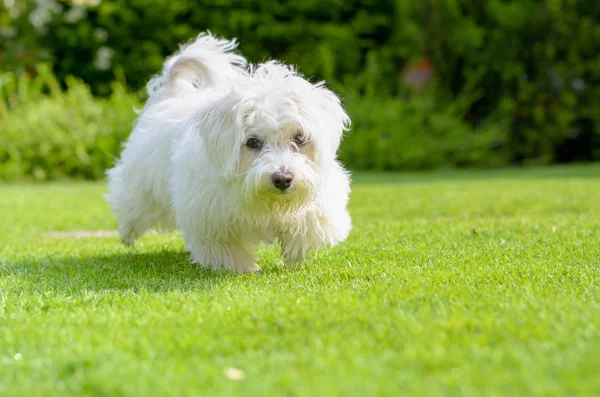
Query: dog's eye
[[253, 143], [300, 139]]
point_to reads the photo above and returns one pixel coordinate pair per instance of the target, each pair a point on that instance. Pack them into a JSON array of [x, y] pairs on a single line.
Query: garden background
[[429, 84]]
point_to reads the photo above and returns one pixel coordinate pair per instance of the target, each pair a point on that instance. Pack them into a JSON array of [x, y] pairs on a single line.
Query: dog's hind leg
[[134, 216], [136, 209], [133, 227]]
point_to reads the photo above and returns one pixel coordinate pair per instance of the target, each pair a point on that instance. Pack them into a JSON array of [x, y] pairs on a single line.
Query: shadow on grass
[[166, 270]]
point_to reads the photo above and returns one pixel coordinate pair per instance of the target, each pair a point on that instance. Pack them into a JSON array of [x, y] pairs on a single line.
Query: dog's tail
[[204, 62]]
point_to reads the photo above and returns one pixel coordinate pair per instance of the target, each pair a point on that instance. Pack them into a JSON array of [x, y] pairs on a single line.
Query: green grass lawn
[[451, 283]]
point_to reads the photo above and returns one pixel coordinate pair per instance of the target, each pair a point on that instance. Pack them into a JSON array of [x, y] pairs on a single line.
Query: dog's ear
[[334, 118], [225, 131]]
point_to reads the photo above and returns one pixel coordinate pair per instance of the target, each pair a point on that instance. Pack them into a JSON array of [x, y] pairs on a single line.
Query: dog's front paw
[[252, 269], [219, 256], [240, 269], [293, 260], [236, 268], [293, 252]]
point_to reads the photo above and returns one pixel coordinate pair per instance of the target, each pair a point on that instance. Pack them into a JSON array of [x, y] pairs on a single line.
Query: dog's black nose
[[282, 180]]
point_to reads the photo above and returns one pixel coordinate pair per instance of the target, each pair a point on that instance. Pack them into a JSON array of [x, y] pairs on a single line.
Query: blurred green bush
[[419, 132], [427, 84], [51, 133]]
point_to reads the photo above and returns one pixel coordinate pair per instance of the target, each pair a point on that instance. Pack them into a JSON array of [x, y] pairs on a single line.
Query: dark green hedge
[[513, 81]]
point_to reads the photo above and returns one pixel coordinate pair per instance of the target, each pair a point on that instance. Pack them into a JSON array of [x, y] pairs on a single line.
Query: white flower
[[74, 15], [43, 13], [86, 3], [103, 58]]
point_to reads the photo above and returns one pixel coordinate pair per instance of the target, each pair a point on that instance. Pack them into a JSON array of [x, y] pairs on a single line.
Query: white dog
[[233, 156]]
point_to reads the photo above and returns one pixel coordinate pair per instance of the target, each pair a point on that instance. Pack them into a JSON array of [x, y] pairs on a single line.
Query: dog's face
[[275, 135], [278, 163]]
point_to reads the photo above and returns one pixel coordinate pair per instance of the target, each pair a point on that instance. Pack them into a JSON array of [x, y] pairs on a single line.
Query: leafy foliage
[[48, 133], [526, 74], [419, 133]]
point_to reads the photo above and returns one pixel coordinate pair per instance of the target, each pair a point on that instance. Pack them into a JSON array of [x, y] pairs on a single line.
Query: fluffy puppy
[[234, 155]]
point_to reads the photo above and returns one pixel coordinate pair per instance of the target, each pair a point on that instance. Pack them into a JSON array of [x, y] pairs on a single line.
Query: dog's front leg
[[222, 255], [316, 229]]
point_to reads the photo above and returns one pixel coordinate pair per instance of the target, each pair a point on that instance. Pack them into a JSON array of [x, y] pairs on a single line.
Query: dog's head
[[276, 135]]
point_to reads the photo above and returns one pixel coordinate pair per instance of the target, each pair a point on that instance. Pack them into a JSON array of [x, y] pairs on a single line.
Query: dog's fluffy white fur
[[212, 141]]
